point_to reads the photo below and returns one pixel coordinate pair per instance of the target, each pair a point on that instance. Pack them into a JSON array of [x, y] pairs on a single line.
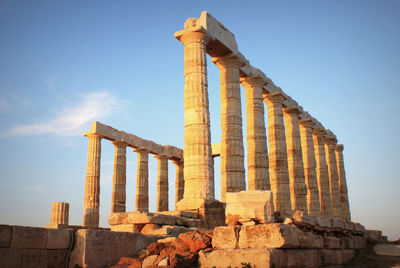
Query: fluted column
[[309, 163], [118, 201], [278, 165], [344, 199], [91, 203], [322, 173], [142, 180], [330, 142], [257, 150], [59, 213], [298, 188], [179, 182], [232, 152], [162, 183], [198, 173]]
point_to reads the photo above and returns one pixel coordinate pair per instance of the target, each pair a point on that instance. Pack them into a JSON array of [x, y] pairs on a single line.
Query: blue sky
[[65, 64]]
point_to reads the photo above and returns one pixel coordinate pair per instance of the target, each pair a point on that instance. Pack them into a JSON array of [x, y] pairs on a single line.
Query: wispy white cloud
[[73, 118], [9, 100]]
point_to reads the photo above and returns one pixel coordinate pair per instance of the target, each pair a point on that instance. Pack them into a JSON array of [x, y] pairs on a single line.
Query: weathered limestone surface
[[253, 205], [225, 237], [278, 165], [344, 199], [198, 167], [118, 201], [322, 172], [236, 257], [162, 183], [98, 248], [330, 142], [309, 163], [273, 235], [59, 213], [179, 181], [257, 150], [298, 188], [387, 249], [231, 148], [92, 186], [142, 180]]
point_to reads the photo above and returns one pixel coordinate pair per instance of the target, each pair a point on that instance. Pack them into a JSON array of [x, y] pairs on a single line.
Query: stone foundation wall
[[22, 246]]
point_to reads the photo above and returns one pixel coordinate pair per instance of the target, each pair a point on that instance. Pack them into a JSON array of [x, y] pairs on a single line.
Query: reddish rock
[[196, 240]]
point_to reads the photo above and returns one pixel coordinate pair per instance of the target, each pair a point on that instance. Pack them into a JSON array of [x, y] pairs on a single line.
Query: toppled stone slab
[[273, 235], [387, 249], [254, 205], [135, 221]]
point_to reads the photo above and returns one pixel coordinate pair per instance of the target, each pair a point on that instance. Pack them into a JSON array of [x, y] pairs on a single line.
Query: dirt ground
[[366, 258]]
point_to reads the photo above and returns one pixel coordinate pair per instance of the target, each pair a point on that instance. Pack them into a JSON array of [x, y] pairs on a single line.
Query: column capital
[[229, 60], [252, 82], [90, 135], [307, 122], [161, 156], [188, 37], [178, 162], [293, 110], [330, 139], [319, 132], [339, 147], [141, 150], [276, 97], [119, 144]]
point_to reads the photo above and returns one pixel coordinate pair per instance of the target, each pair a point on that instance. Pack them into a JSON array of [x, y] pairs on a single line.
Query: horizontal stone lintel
[[131, 140]]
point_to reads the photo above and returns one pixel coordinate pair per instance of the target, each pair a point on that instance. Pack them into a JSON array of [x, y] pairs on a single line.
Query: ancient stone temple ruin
[[294, 211]]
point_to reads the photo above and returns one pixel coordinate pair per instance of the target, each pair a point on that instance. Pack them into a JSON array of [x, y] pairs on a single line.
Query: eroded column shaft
[[198, 173], [344, 199], [142, 181], [118, 200], [232, 152], [322, 173], [298, 188], [257, 150], [92, 186], [179, 182], [333, 177], [278, 165], [59, 213], [310, 174], [162, 184]]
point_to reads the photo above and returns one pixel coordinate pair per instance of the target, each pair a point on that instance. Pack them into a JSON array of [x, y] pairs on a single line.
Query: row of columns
[[118, 200], [301, 167]]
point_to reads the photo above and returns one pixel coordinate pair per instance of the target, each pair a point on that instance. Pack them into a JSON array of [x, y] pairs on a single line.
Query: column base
[[211, 211]]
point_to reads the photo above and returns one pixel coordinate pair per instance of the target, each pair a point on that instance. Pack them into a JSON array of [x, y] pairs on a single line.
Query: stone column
[[330, 142], [298, 188], [162, 183], [232, 152], [179, 182], [59, 213], [309, 163], [198, 173], [142, 180], [92, 186], [118, 201], [344, 199], [278, 165], [257, 150], [322, 173]]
